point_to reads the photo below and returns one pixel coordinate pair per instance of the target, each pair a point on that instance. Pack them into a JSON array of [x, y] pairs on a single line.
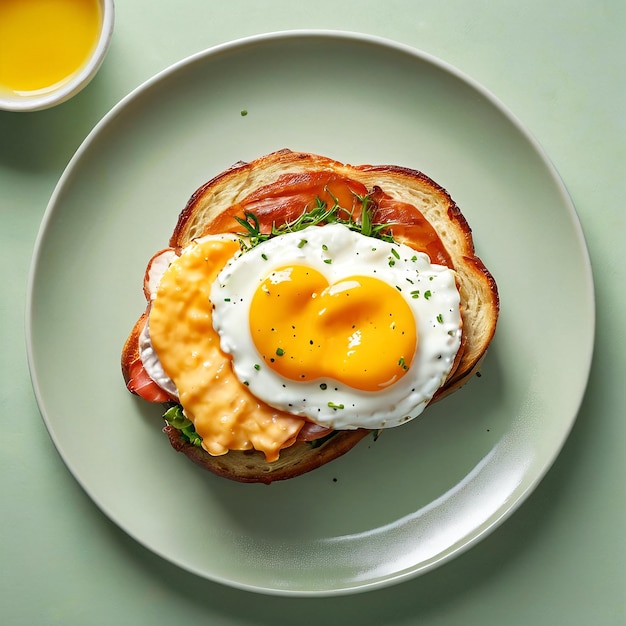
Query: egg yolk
[[358, 331]]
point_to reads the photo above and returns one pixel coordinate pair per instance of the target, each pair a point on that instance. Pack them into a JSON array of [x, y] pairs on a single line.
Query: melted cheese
[[225, 414]]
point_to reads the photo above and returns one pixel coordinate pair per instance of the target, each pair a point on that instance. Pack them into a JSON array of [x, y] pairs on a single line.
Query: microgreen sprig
[[320, 213]]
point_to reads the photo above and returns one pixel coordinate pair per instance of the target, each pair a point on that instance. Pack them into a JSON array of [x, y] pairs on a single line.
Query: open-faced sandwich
[[303, 304]]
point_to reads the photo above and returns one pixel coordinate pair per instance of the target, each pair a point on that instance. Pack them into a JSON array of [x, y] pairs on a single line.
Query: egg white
[[437, 318]]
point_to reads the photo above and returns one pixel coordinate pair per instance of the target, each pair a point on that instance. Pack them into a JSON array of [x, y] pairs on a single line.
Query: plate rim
[[347, 37]]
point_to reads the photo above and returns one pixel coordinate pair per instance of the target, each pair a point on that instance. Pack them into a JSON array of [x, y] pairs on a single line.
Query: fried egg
[[341, 329]]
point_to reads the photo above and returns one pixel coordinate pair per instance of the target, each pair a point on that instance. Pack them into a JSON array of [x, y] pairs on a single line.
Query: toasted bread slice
[[250, 466], [420, 213]]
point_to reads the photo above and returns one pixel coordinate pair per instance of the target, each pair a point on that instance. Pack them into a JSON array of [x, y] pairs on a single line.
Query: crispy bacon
[[409, 225], [290, 195]]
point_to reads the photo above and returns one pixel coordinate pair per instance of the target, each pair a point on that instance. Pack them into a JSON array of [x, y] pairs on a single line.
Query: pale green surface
[[559, 559]]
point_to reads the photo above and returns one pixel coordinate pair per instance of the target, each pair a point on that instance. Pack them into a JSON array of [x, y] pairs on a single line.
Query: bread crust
[[130, 351], [228, 192], [250, 466]]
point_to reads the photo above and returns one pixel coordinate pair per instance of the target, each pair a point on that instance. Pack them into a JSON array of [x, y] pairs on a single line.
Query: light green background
[[560, 67]]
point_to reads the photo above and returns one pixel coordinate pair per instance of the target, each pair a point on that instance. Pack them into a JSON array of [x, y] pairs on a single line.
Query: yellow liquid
[[45, 42]]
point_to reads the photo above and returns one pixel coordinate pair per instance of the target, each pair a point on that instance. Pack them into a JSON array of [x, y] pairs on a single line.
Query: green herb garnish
[[320, 213], [332, 405]]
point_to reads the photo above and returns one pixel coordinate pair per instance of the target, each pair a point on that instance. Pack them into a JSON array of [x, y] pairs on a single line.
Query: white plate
[[390, 509]]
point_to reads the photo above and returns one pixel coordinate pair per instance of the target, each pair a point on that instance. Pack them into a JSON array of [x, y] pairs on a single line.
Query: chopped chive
[[302, 243], [264, 256], [324, 247], [257, 367], [323, 386], [279, 352], [415, 294], [328, 261], [332, 405], [427, 294], [395, 253], [440, 318]]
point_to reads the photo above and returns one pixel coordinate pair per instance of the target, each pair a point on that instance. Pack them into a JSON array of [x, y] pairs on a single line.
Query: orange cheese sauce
[[225, 414], [359, 331], [45, 42]]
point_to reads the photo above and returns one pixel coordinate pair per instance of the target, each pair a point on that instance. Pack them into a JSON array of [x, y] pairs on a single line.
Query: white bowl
[[36, 101]]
